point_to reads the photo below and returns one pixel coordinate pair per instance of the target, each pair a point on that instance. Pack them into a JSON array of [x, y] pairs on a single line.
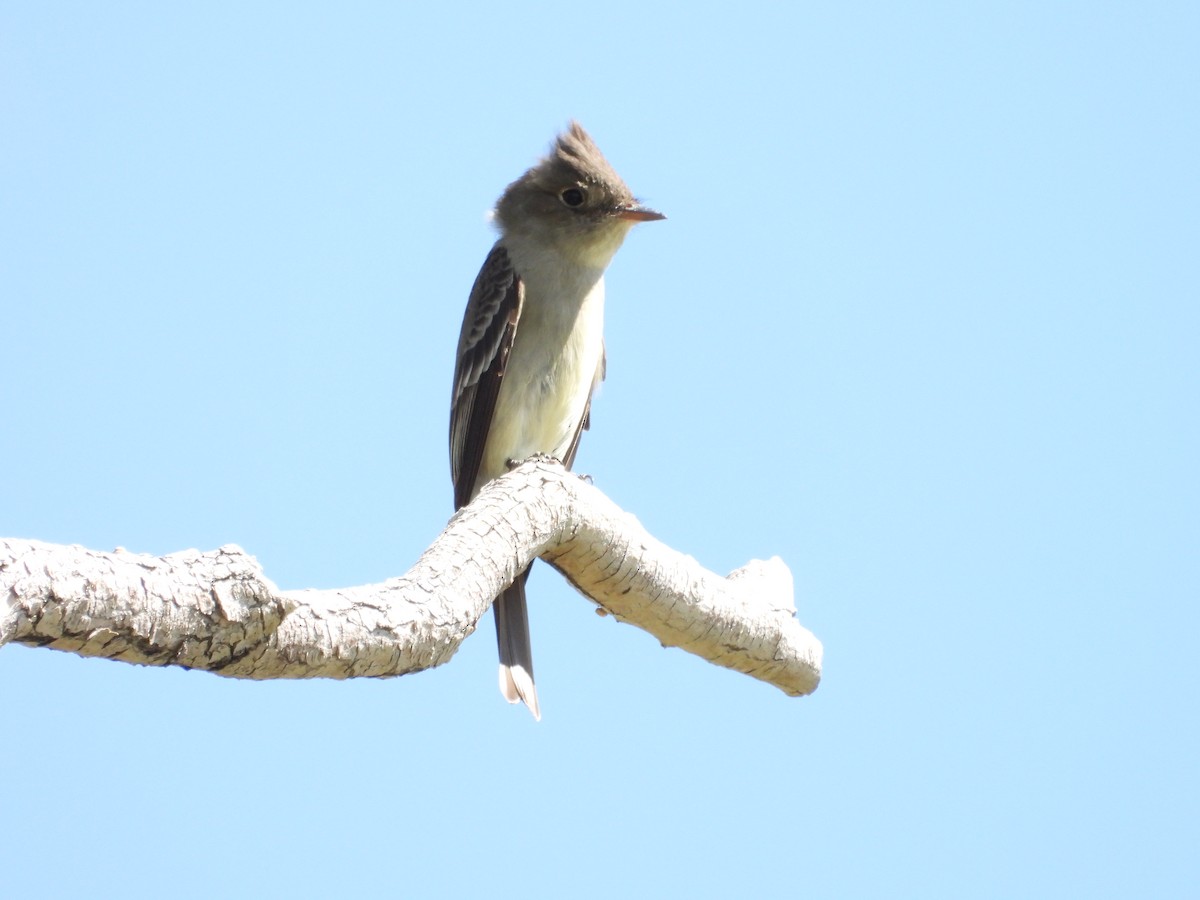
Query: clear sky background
[[923, 321]]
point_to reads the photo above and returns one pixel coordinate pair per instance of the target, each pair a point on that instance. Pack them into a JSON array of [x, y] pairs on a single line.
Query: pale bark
[[217, 611]]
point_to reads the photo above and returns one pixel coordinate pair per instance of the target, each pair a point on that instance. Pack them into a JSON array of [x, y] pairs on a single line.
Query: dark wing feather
[[488, 329]]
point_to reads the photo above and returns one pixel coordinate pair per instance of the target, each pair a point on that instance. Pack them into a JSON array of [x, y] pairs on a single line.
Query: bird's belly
[[543, 396], [544, 423]]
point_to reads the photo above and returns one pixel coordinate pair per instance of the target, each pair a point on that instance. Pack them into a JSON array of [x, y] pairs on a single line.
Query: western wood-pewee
[[531, 348]]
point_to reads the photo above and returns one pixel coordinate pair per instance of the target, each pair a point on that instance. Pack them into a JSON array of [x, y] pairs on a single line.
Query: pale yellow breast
[[551, 370]]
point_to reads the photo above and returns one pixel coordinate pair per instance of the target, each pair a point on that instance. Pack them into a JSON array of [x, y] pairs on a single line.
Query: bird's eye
[[572, 196]]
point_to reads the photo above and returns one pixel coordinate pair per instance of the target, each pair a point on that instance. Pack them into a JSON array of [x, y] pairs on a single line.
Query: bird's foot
[[536, 457]]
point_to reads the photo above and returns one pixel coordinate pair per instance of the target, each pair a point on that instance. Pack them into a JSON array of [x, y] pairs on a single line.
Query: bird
[[531, 348]]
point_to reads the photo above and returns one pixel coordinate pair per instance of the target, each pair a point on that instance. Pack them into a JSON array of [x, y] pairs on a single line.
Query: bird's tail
[[516, 656]]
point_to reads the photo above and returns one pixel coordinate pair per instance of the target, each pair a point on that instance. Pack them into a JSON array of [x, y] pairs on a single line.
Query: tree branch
[[217, 611]]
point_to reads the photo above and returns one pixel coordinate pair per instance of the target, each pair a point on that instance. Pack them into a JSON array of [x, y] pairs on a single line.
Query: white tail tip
[[517, 686]]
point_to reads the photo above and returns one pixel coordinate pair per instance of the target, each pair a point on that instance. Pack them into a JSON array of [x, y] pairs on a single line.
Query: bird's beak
[[639, 213]]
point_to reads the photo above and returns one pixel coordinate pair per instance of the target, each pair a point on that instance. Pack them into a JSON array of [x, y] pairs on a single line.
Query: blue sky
[[923, 321]]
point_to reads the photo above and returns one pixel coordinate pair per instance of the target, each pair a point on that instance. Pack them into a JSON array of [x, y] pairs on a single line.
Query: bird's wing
[[488, 329]]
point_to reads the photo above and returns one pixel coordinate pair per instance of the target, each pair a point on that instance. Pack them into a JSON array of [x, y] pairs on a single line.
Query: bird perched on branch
[[531, 349]]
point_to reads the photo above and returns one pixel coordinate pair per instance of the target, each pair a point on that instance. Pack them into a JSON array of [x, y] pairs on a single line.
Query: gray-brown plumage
[[531, 347]]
